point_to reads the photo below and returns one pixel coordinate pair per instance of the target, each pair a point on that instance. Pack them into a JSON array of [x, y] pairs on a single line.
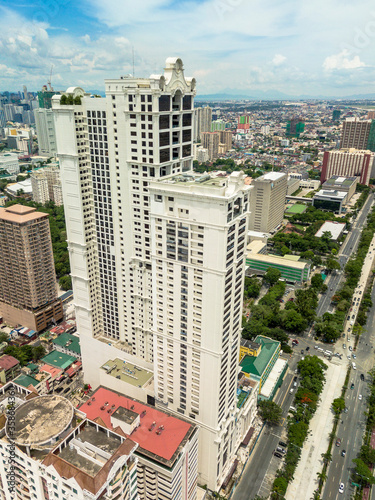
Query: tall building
[[39, 186], [225, 137], [44, 122], [202, 121], [136, 251], [348, 163], [355, 133], [28, 292], [243, 123], [210, 141], [217, 125], [25, 94], [336, 113], [267, 201], [295, 127]]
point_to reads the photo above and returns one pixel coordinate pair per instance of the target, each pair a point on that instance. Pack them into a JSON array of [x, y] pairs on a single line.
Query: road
[[349, 247]]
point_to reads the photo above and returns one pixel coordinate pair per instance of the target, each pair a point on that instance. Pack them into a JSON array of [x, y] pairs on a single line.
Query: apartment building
[[39, 186], [199, 223], [267, 201], [225, 138], [202, 121], [211, 141], [111, 151], [46, 185], [54, 456], [9, 162], [28, 292], [348, 163], [355, 133]]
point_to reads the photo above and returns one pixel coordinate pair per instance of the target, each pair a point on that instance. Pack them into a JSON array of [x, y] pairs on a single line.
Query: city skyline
[[232, 45]]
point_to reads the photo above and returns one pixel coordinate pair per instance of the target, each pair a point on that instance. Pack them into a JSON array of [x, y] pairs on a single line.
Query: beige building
[[28, 292], [210, 141], [202, 121], [39, 186], [348, 163], [267, 201], [225, 138], [355, 133], [46, 185]]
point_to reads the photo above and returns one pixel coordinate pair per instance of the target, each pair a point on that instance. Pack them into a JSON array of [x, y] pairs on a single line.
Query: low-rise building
[[9, 162], [332, 201], [335, 228], [68, 344], [346, 184], [9, 368]]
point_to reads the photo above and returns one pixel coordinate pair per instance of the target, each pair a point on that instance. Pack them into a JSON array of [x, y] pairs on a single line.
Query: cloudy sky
[[293, 46]]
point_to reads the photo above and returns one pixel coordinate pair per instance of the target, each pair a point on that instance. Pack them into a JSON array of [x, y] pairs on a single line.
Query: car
[[353, 356], [349, 330], [316, 347], [352, 386], [353, 316], [346, 409], [360, 397], [295, 341], [348, 318], [284, 445], [307, 348], [331, 289], [291, 391], [350, 348], [302, 351], [277, 454], [343, 335], [295, 379], [362, 376], [59, 389], [303, 357], [348, 356], [341, 488], [344, 346], [294, 384], [343, 453], [66, 390], [338, 442]]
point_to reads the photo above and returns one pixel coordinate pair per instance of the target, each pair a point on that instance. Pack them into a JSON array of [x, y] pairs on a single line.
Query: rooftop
[[271, 176], [249, 344], [335, 228], [325, 193], [20, 213], [257, 364], [26, 380], [162, 447], [278, 260], [127, 372], [68, 341], [59, 360], [335, 180], [7, 362], [40, 420]]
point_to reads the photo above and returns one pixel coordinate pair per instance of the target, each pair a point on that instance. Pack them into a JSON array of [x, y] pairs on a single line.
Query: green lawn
[[297, 208]]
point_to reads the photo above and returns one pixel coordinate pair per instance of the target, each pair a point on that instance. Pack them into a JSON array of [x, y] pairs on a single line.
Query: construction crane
[[50, 78]]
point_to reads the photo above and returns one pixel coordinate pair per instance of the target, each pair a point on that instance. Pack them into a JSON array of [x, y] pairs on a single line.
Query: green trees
[[362, 473], [338, 405], [25, 353], [272, 276], [270, 412], [332, 264], [252, 287], [317, 282], [65, 283]]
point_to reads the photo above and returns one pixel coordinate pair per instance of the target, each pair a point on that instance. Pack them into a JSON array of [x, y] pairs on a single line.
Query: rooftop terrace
[[127, 372]]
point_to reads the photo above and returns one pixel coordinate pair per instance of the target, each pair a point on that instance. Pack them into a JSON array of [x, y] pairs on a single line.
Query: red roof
[[164, 444], [7, 362], [74, 368], [52, 370]]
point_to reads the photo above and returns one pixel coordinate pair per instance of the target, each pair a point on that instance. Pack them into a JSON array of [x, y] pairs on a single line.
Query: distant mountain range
[[272, 95], [260, 95]]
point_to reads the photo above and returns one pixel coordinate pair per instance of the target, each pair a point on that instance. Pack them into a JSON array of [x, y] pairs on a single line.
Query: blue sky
[[294, 46]]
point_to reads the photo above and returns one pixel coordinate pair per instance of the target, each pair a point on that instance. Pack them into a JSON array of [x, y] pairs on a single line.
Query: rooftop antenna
[[133, 60], [50, 78]]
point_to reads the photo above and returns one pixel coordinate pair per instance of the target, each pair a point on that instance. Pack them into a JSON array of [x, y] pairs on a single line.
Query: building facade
[[28, 292], [126, 235], [202, 121], [45, 130], [348, 163], [267, 201], [211, 141], [355, 133], [9, 162]]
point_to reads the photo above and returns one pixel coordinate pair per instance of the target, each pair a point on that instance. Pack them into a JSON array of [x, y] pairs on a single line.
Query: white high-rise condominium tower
[[157, 257]]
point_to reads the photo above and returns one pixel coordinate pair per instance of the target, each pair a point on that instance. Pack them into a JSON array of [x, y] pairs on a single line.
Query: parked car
[[277, 454], [338, 442], [350, 348], [360, 397], [284, 445], [344, 346]]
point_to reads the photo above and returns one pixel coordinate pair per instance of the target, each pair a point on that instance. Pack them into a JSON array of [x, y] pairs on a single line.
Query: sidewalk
[[305, 476]]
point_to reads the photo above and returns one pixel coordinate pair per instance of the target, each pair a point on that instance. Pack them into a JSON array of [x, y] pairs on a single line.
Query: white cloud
[[278, 59], [342, 61]]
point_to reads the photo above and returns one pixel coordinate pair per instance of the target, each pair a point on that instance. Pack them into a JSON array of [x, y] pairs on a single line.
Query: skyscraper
[[28, 292], [202, 121], [44, 123], [210, 141], [295, 127], [157, 267], [355, 133], [267, 201]]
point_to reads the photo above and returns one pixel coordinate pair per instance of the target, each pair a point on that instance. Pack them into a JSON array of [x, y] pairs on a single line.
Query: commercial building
[[28, 292], [332, 201], [9, 162], [348, 163], [167, 451], [292, 186], [290, 266], [211, 141], [267, 201], [337, 183], [202, 121], [355, 133], [309, 184], [141, 240], [57, 457], [335, 228]]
